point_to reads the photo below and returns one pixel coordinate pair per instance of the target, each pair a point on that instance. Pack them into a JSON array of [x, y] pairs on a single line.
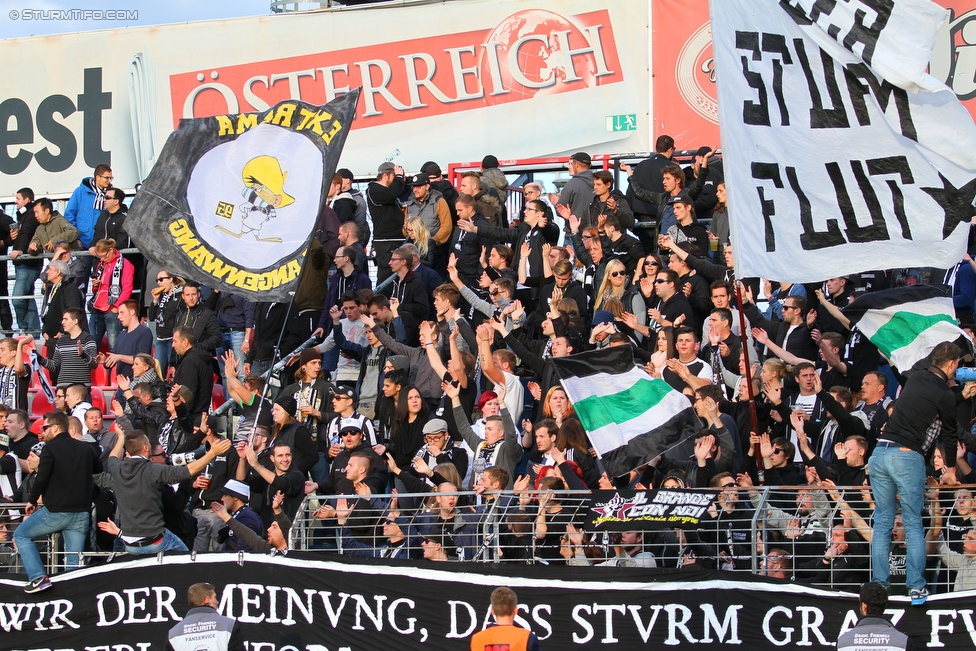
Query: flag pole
[[756, 449]]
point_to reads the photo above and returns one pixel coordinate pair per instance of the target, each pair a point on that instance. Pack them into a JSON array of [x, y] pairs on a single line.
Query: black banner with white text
[[302, 603]]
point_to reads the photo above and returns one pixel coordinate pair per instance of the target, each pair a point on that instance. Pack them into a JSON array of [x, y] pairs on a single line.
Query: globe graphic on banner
[[528, 40]]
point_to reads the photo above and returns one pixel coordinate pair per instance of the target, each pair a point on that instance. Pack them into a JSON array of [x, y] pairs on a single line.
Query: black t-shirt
[[23, 447]]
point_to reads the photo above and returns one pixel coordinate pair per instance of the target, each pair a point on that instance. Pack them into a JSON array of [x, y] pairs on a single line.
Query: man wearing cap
[[442, 185], [235, 495], [362, 223], [439, 448], [688, 231], [344, 402], [137, 484], [431, 207], [381, 197], [277, 532], [577, 194], [64, 480]]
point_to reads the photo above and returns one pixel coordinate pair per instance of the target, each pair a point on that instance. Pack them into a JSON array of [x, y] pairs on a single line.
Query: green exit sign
[[625, 122]]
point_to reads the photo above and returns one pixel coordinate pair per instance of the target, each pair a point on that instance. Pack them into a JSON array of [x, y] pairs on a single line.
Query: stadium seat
[[100, 376], [36, 426], [98, 398], [217, 395], [40, 405]]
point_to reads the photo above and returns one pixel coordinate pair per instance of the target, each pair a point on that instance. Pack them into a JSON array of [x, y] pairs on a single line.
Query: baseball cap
[[347, 392], [602, 316], [386, 167], [704, 149], [681, 198], [350, 429], [345, 173], [418, 180], [581, 157]]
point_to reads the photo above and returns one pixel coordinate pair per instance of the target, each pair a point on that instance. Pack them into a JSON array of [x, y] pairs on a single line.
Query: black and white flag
[[842, 153]]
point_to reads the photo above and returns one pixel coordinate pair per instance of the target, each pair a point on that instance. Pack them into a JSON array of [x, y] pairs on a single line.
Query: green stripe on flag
[[903, 328], [598, 411]]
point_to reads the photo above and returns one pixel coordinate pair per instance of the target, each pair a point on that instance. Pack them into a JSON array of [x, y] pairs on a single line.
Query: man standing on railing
[[26, 272], [926, 409], [64, 480], [873, 631]]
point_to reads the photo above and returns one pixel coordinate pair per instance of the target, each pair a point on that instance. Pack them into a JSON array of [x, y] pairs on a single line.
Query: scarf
[[35, 363], [484, 458], [99, 202], [8, 386], [115, 286], [49, 297]]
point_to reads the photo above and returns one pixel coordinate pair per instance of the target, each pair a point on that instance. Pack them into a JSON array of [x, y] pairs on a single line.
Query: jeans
[[163, 350], [231, 340], [101, 322], [320, 471], [25, 280], [73, 528], [169, 543], [902, 472]]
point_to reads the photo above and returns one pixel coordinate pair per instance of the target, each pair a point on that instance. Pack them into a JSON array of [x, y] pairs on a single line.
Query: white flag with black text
[[841, 153]]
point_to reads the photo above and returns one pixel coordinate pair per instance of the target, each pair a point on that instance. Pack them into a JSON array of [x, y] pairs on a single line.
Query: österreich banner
[[843, 154], [233, 200], [303, 603]]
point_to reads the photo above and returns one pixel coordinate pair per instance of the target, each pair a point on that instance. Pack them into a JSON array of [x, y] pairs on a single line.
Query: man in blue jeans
[[137, 484], [64, 481], [925, 409]]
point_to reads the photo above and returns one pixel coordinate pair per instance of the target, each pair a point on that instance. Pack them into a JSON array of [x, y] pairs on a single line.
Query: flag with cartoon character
[[233, 200]]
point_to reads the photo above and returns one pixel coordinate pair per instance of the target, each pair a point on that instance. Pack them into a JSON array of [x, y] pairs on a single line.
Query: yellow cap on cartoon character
[[265, 173]]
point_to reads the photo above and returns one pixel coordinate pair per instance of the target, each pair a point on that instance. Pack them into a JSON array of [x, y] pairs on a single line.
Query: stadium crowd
[[439, 380]]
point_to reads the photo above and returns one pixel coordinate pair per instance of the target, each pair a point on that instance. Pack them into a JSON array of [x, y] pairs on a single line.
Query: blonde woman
[[417, 234], [614, 284]]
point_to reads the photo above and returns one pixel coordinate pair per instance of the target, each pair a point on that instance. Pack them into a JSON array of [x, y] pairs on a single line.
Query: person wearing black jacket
[[111, 221], [410, 291], [62, 294], [282, 476], [353, 442], [535, 229], [465, 245], [925, 410], [790, 334], [64, 480], [26, 272], [194, 370], [381, 197], [200, 318]]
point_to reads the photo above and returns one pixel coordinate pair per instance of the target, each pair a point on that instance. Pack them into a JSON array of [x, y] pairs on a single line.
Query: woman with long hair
[[167, 301], [572, 440], [614, 284], [557, 405], [407, 432], [663, 351], [111, 286], [417, 233]]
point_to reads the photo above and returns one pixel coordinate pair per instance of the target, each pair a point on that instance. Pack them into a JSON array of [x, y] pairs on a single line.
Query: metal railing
[[807, 534]]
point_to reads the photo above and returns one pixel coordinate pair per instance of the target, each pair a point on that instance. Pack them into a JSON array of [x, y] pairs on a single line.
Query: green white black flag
[[906, 323], [629, 416]]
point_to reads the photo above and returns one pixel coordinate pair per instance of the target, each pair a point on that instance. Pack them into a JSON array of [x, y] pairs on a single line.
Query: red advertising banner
[[532, 53], [685, 104]]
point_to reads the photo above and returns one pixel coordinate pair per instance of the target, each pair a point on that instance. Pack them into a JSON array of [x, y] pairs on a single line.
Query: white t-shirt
[[806, 403], [514, 396]]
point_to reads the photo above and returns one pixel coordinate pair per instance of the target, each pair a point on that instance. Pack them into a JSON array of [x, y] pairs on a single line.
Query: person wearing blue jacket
[[87, 202]]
